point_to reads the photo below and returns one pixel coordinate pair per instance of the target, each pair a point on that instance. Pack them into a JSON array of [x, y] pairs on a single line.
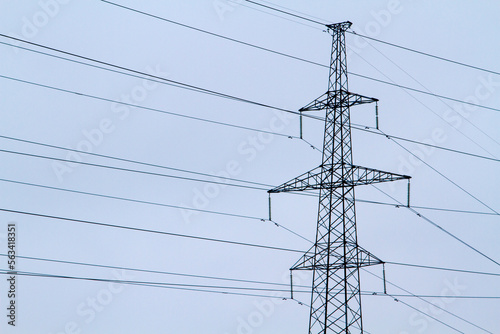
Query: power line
[[445, 177], [144, 75], [153, 271], [445, 269], [359, 127], [425, 301], [378, 40], [135, 200], [426, 314], [184, 287], [182, 207], [432, 296], [238, 3], [219, 287], [133, 161], [426, 54], [389, 136], [287, 13], [133, 170], [428, 90], [396, 205], [147, 108], [137, 229], [440, 228], [431, 110], [399, 204], [156, 204], [291, 56], [212, 33], [218, 94]]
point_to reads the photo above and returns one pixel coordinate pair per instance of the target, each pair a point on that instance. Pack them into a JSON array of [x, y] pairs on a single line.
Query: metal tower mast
[[336, 257]]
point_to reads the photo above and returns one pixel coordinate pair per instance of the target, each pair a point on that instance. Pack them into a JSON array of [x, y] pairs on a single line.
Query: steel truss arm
[[337, 98], [311, 180]]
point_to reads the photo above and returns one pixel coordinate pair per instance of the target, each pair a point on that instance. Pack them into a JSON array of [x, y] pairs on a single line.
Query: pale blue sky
[[465, 31]]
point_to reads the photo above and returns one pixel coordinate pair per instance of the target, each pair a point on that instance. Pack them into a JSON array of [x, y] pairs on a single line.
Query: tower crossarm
[[339, 98], [364, 175], [316, 257], [307, 181], [354, 176]]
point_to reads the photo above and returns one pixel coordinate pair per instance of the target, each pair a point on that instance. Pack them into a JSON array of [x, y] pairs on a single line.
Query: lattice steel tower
[[336, 257]]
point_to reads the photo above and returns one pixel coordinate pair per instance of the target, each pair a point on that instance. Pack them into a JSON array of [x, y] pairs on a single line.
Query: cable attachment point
[[383, 276], [270, 207], [300, 119], [408, 203]]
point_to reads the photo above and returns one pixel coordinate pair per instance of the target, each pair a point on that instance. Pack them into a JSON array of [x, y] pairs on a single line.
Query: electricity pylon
[[336, 258]]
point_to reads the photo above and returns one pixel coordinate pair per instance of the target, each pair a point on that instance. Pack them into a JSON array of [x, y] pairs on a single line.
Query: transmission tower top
[[339, 27]]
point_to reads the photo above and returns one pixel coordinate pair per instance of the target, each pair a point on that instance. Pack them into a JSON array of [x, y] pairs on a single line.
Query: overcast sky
[[464, 31]]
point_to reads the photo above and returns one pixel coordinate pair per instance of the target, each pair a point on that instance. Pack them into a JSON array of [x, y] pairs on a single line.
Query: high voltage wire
[[285, 12], [202, 288], [182, 85], [147, 284], [138, 229], [398, 205], [218, 287], [144, 75], [133, 170], [436, 296], [426, 54], [133, 161], [153, 271], [440, 228], [444, 269], [358, 128], [135, 200], [425, 301], [86, 264], [435, 113], [429, 267], [157, 204], [445, 177], [293, 57], [426, 314], [147, 108], [212, 33], [12, 211], [375, 39], [389, 136], [428, 90], [143, 283], [187, 208], [239, 3]]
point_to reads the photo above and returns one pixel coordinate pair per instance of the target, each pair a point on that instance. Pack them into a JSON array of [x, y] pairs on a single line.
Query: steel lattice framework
[[336, 257]]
